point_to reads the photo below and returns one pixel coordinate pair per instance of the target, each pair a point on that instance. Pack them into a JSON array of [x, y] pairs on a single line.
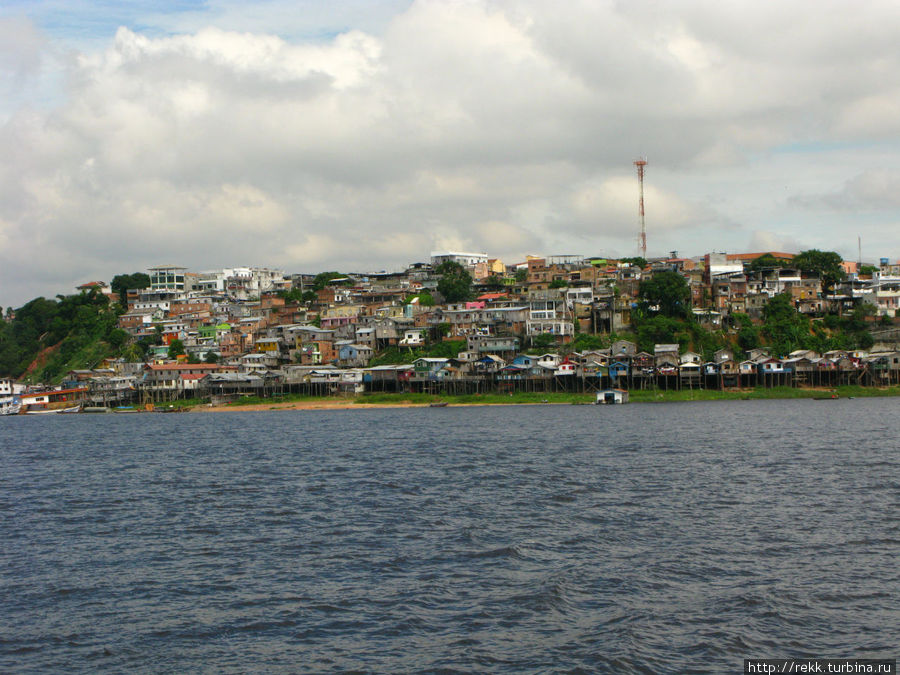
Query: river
[[654, 538]]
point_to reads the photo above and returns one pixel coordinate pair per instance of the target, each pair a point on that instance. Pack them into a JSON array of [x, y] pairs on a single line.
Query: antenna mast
[[642, 238]]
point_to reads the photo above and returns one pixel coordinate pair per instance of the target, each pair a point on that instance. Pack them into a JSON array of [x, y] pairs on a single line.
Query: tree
[[784, 328], [823, 264], [493, 282], [521, 275], [867, 270], [323, 279], [543, 341], [558, 283], [211, 357], [121, 283], [455, 283], [176, 349], [637, 261], [424, 299], [766, 261], [668, 292]]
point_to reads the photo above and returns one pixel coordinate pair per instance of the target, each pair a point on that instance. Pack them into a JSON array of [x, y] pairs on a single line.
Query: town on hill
[[461, 323]]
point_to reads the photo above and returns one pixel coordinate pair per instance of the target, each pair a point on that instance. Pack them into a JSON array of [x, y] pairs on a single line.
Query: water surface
[[662, 538]]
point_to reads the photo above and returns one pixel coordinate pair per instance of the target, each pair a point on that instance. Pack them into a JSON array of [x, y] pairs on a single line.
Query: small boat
[[10, 409], [438, 404]]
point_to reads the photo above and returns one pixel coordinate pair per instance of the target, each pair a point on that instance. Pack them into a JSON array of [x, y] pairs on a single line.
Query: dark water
[[663, 538]]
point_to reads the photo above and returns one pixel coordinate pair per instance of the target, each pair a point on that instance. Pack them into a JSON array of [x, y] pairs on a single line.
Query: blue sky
[[362, 135]]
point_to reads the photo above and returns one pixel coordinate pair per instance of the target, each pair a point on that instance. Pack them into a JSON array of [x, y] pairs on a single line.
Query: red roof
[[193, 376], [492, 296]]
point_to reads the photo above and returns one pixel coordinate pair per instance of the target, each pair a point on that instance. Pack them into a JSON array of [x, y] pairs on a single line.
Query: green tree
[[121, 283], [785, 328], [493, 282], [543, 341], [425, 299], [766, 261], [324, 278], [668, 292], [868, 270], [176, 348], [558, 283], [211, 357], [133, 353], [521, 275], [823, 264], [455, 283], [636, 261]]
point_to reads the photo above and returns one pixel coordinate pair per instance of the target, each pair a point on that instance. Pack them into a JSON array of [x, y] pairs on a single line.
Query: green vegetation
[[476, 399], [176, 349], [868, 270], [767, 261], [425, 299], [455, 283], [121, 283], [447, 349], [635, 396], [637, 261], [823, 264], [666, 293], [74, 331], [849, 391], [325, 278], [295, 295], [558, 283]]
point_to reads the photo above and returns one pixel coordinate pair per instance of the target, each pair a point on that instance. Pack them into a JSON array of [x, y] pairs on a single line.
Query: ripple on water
[[535, 539]]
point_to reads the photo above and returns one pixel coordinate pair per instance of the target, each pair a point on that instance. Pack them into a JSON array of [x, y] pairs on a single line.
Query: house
[[666, 356], [489, 364], [566, 367], [723, 355], [623, 347], [489, 344], [549, 360], [354, 355], [412, 337], [427, 366]]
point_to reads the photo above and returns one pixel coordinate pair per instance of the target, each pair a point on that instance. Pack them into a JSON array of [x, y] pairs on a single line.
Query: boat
[[54, 411], [611, 397], [10, 408], [439, 404]]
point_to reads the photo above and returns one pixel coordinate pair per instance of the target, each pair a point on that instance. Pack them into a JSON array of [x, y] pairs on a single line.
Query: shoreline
[[637, 397]]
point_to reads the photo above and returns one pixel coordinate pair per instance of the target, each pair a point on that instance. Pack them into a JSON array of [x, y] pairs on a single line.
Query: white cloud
[[508, 127]]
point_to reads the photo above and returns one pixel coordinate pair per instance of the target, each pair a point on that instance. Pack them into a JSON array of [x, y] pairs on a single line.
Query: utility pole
[[642, 238]]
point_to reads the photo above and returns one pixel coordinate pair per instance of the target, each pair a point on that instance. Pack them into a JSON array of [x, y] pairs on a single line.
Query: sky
[[361, 135]]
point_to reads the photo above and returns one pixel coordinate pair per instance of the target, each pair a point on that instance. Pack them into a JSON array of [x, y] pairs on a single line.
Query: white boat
[[54, 411], [11, 408]]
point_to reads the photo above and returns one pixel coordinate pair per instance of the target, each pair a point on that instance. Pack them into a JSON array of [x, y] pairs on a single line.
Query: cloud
[[871, 190], [219, 137]]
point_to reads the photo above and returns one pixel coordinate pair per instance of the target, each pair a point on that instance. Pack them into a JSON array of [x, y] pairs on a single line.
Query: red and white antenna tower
[[642, 238]]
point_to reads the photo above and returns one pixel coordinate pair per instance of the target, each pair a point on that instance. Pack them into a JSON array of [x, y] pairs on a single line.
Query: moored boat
[[11, 408], [54, 411]]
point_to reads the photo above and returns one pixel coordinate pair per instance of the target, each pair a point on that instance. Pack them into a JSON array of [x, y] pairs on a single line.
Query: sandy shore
[[304, 405]]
